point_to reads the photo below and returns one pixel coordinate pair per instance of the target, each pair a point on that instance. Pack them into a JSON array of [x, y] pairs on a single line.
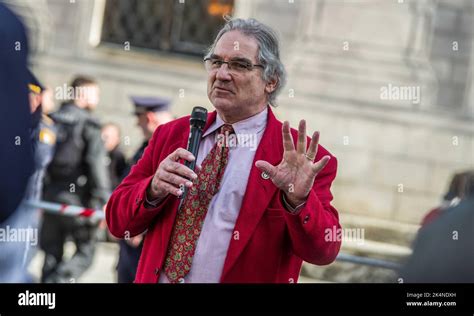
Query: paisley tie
[[190, 217]]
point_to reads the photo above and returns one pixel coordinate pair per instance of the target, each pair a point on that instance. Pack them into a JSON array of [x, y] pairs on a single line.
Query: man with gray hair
[[249, 216]]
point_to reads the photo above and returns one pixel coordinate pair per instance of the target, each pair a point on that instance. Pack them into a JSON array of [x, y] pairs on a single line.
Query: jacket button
[[157, 271], [306, 219], [265, 175]]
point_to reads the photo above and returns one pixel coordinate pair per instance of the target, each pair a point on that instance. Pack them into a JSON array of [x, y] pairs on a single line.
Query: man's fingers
[[171, 177], [175, 179], [182, 153], [180, 169], [169, 188], [313, 146], [301, 146], [266, 167], [287, 138], [317, 167]]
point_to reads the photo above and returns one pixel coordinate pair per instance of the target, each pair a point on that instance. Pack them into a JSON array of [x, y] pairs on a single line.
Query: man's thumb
[[266, 167]]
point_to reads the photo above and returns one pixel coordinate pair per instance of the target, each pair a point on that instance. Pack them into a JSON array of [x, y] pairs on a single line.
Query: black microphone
[[197, 122]]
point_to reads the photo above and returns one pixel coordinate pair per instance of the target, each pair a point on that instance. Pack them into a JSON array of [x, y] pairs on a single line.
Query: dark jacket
[[43, 137], [16, 157], [117, 166], [78, 173], [444, 249]]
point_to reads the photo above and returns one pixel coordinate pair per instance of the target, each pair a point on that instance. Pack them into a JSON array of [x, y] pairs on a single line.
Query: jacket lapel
[[258, 193], [211, 117]]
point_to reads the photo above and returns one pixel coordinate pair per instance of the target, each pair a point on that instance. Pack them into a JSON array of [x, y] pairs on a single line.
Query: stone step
[[304, 279], [376, 250], [383, 239], [381, 231], [345, 272]]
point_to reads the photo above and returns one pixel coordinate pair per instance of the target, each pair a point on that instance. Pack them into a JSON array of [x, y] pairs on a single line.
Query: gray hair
[[268, 52]]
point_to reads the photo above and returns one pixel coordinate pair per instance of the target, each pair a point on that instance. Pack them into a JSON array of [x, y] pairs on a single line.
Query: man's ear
[[150, 117], [35, 101], [271, 85]]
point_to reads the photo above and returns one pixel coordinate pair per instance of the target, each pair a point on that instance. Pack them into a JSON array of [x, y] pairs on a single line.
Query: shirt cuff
[[289, 208]]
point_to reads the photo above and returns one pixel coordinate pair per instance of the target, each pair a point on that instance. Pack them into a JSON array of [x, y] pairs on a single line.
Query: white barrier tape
[[69, 210]]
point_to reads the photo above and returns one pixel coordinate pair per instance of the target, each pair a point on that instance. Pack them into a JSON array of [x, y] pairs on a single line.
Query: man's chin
[[222, 103]]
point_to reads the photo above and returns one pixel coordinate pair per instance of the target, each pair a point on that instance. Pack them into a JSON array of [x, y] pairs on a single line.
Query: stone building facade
[[387, 82]]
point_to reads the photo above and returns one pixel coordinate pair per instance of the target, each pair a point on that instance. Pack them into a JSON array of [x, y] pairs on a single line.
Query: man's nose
[[223, 73]]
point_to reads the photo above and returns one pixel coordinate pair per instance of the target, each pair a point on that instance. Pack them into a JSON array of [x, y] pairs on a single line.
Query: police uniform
[[43, 139], [16, 162], [129, 255], [77, 175]]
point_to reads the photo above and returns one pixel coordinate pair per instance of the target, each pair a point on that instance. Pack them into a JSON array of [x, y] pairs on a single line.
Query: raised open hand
[[296, 172]]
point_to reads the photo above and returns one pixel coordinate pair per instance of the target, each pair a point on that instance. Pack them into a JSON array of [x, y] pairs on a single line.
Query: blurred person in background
[[116, 159], [77, 175], [116, 164], [47, 100], [16, 158], [16, 152], [150, 112], [456, 193], [443, 250], [43, 139]]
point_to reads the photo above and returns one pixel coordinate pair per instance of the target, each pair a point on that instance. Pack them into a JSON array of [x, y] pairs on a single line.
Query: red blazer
[[268, 244]]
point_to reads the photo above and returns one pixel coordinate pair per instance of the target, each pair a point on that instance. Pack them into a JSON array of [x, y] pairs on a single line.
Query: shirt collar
[[251, 125]]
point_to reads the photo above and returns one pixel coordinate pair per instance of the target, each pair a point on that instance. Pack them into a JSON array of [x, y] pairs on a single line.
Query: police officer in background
[[47, 100], [43, 139], [150, 112], [77, 175], [16, 157]]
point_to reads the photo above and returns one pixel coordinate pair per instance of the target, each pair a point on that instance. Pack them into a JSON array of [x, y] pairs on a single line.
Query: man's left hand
[[296, 172]]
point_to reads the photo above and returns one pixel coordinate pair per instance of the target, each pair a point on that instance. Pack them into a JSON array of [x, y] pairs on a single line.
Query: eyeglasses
[[235, 65]]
